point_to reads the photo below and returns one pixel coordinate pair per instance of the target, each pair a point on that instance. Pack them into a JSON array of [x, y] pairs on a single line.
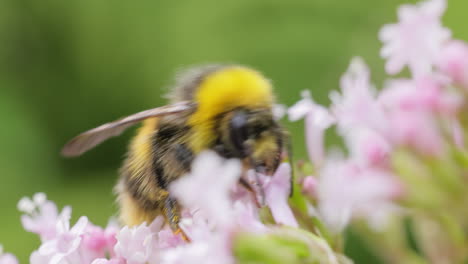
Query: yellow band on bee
[[140, 148], [223, 91]]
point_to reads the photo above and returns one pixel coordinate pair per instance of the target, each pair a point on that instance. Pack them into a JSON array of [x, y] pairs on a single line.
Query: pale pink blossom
[[356, 105], [361, 119], [425, 93], [241, 194], [417, 39], [368, 147], [198, 227], [63, 248], [98, 242], [214, 250], [137, 245], [309, 186], [417, 130], [167, 239], [7, 258], [277, 191], [246, 216], [213, 203], [453, 61], [26, 205], [37, 258], [347, 190], [413, 109], [245, 209], [109, 261], [210, 243], [41, 216], [317, 120]]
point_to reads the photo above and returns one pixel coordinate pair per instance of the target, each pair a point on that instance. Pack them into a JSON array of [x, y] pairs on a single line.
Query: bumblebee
[[223, 108]]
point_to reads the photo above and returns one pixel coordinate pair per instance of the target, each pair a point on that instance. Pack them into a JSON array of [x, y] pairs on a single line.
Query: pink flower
[[309, 186], [167, 239], [246, 216], [317, 120], [95, 238], [426, 93], [97, 242], [37, 258], [41, 216], [108, 261], [417, 130], [64, 247], [213, 203], [453, 61], [417, 39], [368, 147], [413, 109], [214, 250], [137, 245], [346, 190], [7, 258], [357, 106], [277, 190], [361, 120], [198, 227]]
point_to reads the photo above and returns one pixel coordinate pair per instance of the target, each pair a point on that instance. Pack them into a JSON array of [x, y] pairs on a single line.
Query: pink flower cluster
[[419, 113], [61, 243], [211, 218]]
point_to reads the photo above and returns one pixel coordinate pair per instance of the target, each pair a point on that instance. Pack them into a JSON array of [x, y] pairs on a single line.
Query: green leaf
[[284, 245]]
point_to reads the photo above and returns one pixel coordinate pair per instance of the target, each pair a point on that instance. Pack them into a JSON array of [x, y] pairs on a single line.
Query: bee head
[[253, 136]]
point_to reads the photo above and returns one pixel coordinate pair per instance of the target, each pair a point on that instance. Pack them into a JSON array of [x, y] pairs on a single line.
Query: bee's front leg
[[172, 213]]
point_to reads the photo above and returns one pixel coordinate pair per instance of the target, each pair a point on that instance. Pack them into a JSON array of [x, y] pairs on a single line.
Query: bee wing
[[89, 139]]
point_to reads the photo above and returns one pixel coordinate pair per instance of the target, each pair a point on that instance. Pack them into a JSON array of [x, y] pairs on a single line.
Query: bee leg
[[249, 188], [172, 214]]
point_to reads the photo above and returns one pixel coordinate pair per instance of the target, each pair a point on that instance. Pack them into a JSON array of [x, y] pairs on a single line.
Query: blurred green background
[[67, 66]]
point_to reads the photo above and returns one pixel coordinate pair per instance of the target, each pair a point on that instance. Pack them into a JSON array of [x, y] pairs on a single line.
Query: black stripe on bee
[[132, 186], [221, 150], [159, 173], [167, 149], [280, 144], [167, 133], [184, 155]]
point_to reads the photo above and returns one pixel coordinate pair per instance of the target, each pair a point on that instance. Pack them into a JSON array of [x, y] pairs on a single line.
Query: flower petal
[[277, 193]]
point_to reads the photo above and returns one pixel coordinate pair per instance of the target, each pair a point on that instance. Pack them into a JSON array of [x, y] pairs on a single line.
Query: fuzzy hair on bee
[[223, 108]]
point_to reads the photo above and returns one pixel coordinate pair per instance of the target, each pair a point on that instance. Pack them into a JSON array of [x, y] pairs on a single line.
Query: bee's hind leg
[[172, 213]]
